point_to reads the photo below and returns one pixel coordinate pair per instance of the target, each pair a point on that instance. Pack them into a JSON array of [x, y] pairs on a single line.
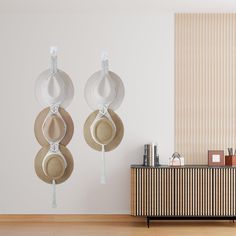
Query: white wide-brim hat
[[54, 88], [113, 91]]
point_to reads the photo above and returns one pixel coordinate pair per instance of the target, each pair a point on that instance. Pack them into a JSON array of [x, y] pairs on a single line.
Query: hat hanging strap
[[104, 62], [53, 52], [103, 174], [54, 199], [102, 112]]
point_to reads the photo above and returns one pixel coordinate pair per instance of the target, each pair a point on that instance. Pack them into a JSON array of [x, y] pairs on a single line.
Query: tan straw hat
[[53, 128], [54, 166], [106, 131]]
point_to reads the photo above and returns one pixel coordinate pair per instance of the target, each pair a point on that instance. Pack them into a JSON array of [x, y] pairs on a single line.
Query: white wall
[[139, 36]]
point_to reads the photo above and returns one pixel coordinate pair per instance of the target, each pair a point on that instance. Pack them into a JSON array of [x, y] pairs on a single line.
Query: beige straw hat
[[53, 166], [106, 131], [53, 128]]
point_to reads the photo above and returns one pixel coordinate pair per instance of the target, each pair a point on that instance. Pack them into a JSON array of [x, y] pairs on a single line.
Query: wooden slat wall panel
[[183, 191], [205, 62]]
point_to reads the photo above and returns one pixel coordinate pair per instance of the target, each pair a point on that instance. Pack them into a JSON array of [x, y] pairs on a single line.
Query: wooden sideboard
[[188, 192]]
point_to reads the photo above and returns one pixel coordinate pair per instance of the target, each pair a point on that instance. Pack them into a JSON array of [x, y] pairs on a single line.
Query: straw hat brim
[[39, 169], [39, 122], [90, 88], [68, 88], [117, 139]]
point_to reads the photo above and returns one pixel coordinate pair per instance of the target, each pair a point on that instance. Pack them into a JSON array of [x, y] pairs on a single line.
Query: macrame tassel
[[103, 174], [54, 200]]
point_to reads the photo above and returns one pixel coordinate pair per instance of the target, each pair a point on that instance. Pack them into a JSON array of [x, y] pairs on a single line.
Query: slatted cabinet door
[[183, 191], [152, 192], [224, 192]]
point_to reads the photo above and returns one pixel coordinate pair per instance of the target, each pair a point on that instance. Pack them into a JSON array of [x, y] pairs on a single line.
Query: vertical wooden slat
[[148, 191], [141, 191], [132, 194], [188, 192], [204, 192], [234, 189], [167, 192], [221, 192], [181, 191], [151, 186], [164, 191], [229, 191], [172, 191], [156, 199], [144, 192]]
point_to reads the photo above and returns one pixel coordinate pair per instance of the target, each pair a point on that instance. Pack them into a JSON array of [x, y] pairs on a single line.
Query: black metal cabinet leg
[[148, 221]]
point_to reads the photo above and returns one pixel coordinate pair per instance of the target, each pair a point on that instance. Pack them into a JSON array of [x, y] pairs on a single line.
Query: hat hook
[[53, 53]]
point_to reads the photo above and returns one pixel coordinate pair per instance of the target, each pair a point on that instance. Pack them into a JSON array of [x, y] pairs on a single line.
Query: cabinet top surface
[[185, 166]]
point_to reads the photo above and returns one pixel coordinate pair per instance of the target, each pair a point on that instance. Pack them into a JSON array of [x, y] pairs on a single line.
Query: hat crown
[[105, 89], [54, 128], [55, 167], [92, 129], [54, 87], [104, 131]]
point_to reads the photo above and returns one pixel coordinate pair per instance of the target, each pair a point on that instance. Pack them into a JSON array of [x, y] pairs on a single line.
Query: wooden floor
[[115, 229]]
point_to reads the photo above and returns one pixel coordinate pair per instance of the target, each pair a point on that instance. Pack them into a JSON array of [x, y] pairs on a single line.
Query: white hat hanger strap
[[54, 197], [102, 112], [55, 85], [104, 62], [106, 90], [53, 52], [54, 149], [54, 146], [54, 89]]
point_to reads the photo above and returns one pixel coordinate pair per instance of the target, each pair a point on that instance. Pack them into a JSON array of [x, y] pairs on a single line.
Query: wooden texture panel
[[205, 62], [183, 191]]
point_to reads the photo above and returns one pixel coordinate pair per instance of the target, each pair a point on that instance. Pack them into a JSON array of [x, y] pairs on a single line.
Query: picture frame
[[216, 158]]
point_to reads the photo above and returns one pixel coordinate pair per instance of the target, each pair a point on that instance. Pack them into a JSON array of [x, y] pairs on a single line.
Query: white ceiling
[[85, 6]]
